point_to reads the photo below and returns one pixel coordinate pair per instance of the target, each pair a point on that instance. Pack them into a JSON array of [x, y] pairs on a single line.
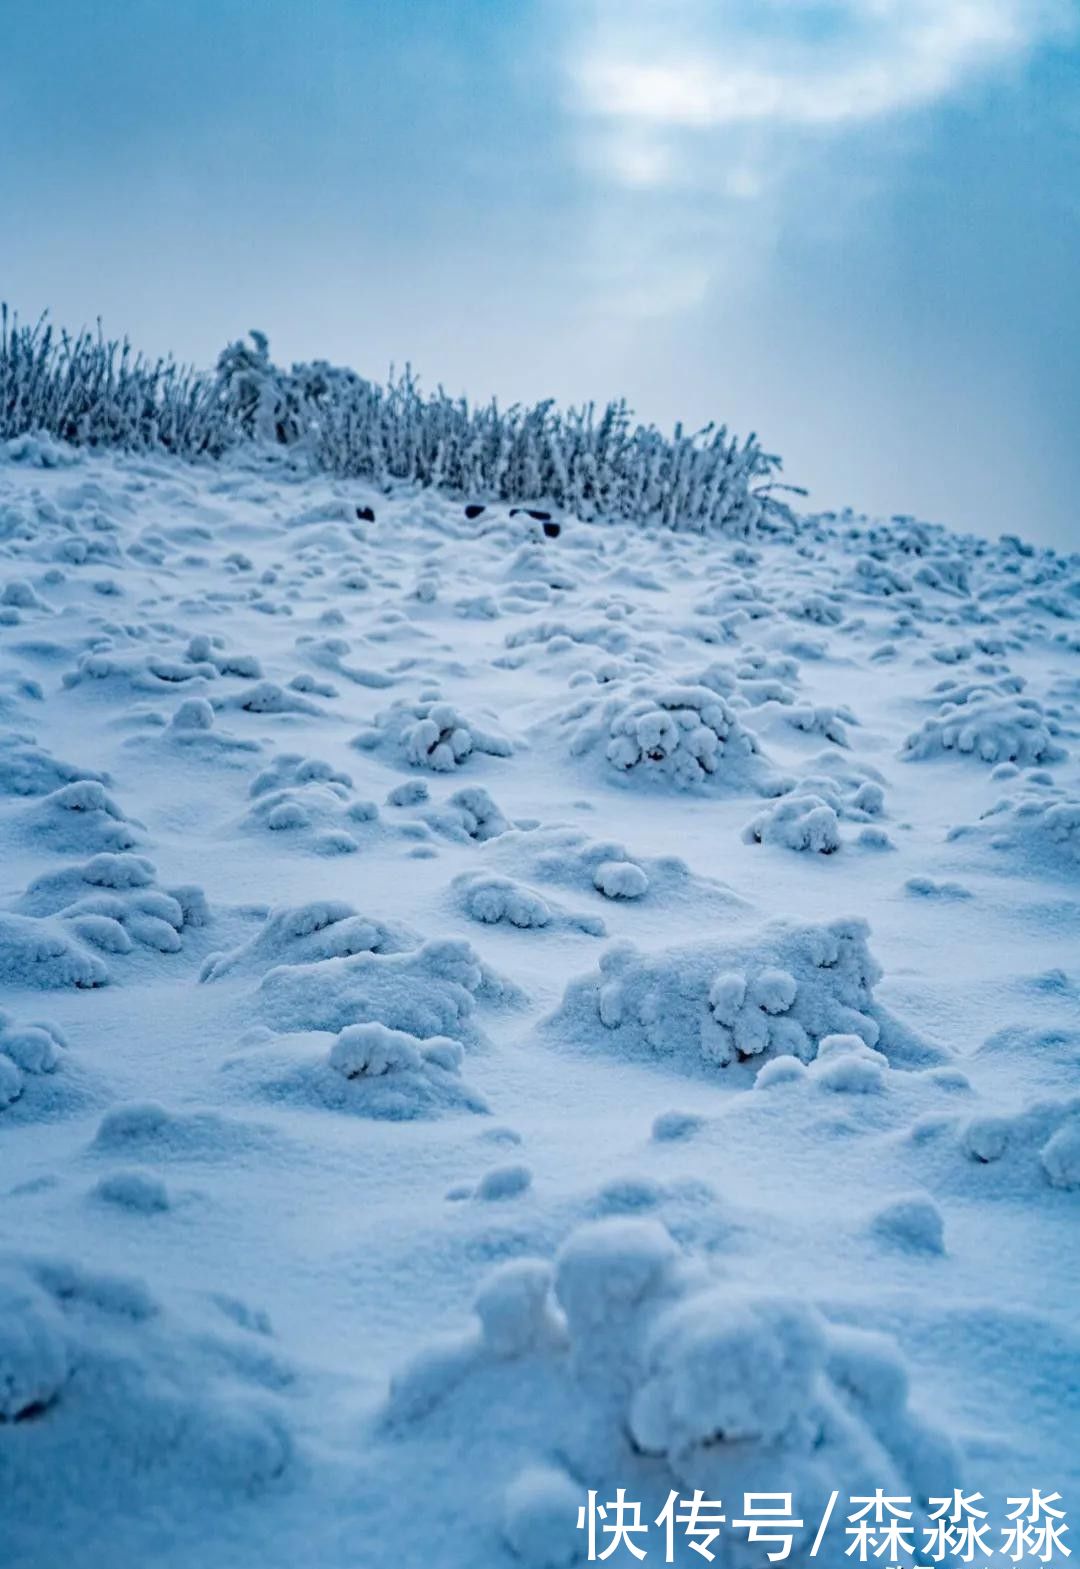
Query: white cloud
[[648, 73]]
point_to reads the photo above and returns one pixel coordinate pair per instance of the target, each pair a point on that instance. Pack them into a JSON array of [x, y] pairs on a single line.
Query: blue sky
[[853, 225]]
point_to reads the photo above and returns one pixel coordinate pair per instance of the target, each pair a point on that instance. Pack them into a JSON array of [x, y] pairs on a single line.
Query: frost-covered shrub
[[89, 391], [95, 393], [681, 735], [989, 727], [778, 992], [430, 735]]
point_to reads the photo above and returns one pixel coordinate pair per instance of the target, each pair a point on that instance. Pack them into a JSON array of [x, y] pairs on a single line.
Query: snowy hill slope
[[665, 943]]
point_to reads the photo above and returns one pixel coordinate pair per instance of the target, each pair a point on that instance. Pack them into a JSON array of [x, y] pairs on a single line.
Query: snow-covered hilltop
[[499, 1005]]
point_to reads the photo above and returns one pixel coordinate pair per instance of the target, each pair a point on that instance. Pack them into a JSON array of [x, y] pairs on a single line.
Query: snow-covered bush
[[430, 735], [992, 728], [798, 822], [642, 1354], [1002, 1154], [682, 735], [808, 816], [776, 992], [469, 814], [620, 879], [305, 799]]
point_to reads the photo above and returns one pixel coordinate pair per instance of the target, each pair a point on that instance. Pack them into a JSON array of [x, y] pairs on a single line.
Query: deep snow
[[489, 1017]]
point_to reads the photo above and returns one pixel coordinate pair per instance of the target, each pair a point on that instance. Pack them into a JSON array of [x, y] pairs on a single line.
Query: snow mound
[[469, 814], [774, 718], [496, 900], [118, 672], [148, 1130], [193, 730], [307, 934], [568, 858], [1048, 1130], [292, 768], [913, 1224], [27, 1051], [80, 818], [307, 801], [641, 1354], [1041, 828], [808, 816], [111, 903], [100, 1382], [40, 953], [27, 769], [681, 736], [430, 735], [981, 723], [779, 992], [370, 1070], [1007, 1155], [432, 991], [268, 697], [138, 1192]]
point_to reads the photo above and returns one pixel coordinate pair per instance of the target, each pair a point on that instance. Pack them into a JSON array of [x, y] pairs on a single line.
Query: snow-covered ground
[[495, 1012]]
